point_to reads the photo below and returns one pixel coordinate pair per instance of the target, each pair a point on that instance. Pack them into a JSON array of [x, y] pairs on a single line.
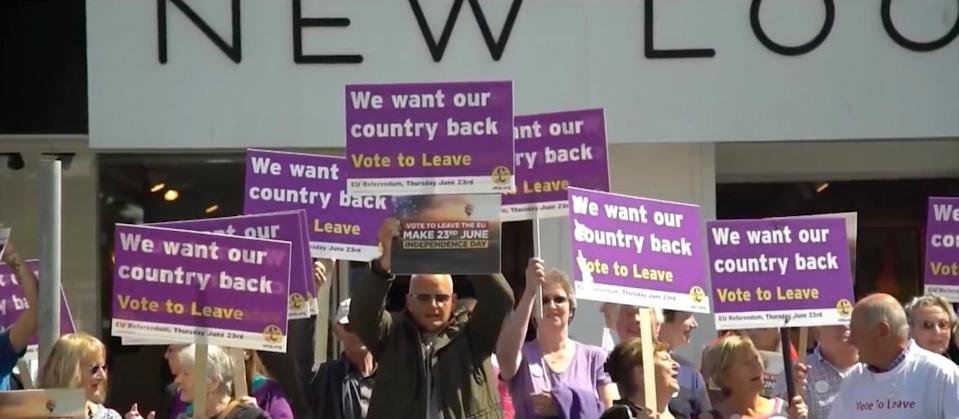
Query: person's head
[[610, 314], [834, 340], [879, 329], [625, 367], [171, 355], [765, 339], [77, 361], [559, 303], [352, 345], [732, 365], [677, 327], [932, 322], [627, 322], [219, 372], [431, 300]]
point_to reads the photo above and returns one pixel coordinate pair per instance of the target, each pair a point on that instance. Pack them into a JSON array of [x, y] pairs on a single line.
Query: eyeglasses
[[558, 300], [427, 298]]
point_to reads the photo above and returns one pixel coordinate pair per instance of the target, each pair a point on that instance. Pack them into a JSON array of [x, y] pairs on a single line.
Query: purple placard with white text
[[942, 248], [285, 226], [553, 152], [340, 226], [13, 303], [637, 251], [767, 271], [205, 287], [429, 138]]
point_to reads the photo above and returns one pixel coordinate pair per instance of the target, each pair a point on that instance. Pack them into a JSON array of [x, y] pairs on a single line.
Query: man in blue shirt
[[14, 339]]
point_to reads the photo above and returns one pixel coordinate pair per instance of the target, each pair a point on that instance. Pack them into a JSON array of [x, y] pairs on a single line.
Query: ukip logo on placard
[[297, 301], [273, 334], [697, 294], [501, 175], [844, 307]]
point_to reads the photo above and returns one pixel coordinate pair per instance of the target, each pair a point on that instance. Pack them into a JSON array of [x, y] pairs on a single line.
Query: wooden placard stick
[[649, 363], [803, 344], [240, 386], [199, 380]]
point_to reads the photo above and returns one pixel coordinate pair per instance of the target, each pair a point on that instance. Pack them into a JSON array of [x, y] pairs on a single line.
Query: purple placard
[[766, 271], [209, 288], [340, 226], [429, 138], [555, 151], [288, 226], [942, 248], [637, 251], [12, 303]]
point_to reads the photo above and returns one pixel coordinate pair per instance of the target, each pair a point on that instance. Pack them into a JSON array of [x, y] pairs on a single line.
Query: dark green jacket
[[460, 355]]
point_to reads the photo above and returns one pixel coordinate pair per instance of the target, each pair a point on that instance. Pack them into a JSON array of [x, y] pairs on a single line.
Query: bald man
[[896, 378], [434, 361]]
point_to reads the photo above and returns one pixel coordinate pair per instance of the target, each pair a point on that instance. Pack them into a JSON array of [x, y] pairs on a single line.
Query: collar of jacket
[[454, 327]]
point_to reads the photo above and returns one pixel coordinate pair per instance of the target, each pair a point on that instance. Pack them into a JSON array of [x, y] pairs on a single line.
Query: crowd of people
[[442, 357]]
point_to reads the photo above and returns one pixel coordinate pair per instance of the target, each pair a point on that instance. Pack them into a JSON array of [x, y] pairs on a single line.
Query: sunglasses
[[558, 300], [427, 298]]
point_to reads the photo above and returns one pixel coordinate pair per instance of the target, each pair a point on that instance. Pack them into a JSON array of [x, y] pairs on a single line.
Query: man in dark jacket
[[433, 363], [343, 387]]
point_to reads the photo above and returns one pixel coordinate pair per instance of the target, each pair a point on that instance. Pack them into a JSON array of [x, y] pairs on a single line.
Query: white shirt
[[925, 385]]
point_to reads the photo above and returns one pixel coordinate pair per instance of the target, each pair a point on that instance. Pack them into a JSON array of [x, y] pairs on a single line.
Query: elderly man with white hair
[[433, 362], [220, 403], [896, 378]]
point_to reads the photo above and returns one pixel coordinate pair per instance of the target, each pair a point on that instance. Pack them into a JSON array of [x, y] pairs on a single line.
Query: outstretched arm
[[510, 343], [494, 302], [368, 315]]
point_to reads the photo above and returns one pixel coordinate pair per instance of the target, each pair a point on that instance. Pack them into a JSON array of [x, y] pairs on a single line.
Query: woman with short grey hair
[[932, 322], [220, 403]]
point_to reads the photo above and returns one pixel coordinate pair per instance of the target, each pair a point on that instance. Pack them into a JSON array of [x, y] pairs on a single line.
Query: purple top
[[585, 372], [271, 399]]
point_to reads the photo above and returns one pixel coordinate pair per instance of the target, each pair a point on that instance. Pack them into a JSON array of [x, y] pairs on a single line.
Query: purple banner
[[288, 226], [767, 271], [637, 251], [553, 152], [13, 303], [340, 226], [209, 288], [429, 138], [942, 248]]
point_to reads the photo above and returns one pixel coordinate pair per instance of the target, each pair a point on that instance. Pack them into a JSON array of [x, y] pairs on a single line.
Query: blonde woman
[[79, 361], [550, 374], [733, 370], [932, 322]]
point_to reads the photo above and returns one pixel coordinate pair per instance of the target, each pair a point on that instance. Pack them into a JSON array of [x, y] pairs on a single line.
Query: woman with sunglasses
[[552, 372], [78, 361]]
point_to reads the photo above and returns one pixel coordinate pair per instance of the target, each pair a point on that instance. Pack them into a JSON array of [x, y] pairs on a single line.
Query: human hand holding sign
[[798, 409], [535, 274], [799, 377], [320, 275], [389, 230], [11, 257]]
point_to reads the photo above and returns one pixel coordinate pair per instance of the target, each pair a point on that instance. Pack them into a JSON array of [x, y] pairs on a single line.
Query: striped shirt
[[823, 381]]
